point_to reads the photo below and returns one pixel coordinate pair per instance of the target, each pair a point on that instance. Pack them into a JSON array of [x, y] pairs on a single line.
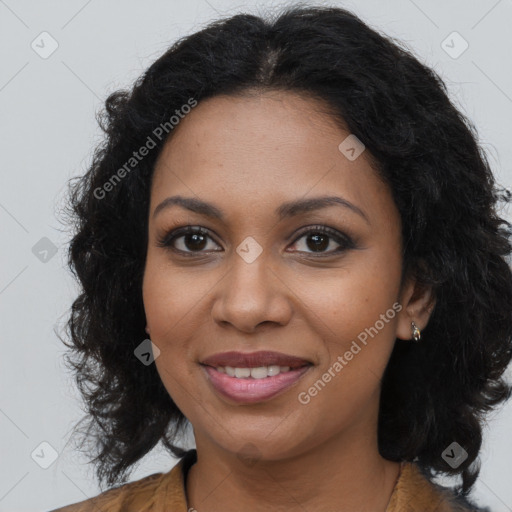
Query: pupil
[[318, 243], [198, 241]]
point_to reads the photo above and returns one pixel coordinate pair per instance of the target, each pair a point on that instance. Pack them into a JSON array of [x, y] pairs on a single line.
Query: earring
[[416, 333]]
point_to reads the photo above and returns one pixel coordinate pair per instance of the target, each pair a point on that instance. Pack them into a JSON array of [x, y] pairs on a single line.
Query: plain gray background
[[48, 131]]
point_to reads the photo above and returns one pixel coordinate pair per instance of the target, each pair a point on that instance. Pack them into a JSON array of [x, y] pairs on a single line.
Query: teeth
[[259, 373], [273, 370], [242, 373], [256, 373]]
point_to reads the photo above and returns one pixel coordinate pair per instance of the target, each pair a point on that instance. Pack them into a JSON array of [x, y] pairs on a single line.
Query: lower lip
[[250, 391]]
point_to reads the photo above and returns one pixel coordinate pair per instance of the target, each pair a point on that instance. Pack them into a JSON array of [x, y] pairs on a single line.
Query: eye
[[319, 238], [194, 239]]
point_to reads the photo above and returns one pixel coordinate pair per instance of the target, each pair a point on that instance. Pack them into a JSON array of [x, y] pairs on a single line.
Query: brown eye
[[190, 240], [319, 241], [186, 240], [320, 238]]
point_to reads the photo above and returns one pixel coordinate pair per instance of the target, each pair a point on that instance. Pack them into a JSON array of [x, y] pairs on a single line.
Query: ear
[[417, 302], [147, 329]]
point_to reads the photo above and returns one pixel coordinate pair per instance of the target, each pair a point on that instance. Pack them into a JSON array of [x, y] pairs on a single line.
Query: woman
[[290, 241]]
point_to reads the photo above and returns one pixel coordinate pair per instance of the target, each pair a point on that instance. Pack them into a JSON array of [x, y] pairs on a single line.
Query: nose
[[252, 295]]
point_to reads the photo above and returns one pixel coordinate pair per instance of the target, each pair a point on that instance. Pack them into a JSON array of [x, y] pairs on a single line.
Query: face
[[279, 284]]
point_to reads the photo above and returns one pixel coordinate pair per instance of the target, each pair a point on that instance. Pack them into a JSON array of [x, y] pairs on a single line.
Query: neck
[[343, 474]]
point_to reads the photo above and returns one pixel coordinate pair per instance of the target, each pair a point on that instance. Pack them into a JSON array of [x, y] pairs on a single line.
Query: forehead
[[277, 122], [264, 148]]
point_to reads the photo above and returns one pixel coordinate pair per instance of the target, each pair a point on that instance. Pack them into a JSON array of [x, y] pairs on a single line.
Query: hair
[[433, 393]]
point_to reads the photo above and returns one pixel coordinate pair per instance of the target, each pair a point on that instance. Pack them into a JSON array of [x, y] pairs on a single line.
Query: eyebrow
[[286, 210]]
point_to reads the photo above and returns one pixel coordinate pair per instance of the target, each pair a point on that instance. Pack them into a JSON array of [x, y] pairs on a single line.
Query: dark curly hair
[[454, 240]]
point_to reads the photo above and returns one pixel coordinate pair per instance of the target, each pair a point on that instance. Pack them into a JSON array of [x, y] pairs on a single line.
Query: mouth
[[253, 377]]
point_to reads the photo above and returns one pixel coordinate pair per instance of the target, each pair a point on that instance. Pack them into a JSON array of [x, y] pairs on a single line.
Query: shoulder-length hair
[[433, 393]]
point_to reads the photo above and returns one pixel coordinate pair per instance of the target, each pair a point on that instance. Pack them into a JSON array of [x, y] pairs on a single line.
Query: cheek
[[165, 304], [353, 299], [355, 314], [170, 296], [171, 299], [358, 342]]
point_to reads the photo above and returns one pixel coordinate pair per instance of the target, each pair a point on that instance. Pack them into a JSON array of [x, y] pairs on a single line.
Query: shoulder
[[414, 491], [134, 496], [117, 498], [153, 493]]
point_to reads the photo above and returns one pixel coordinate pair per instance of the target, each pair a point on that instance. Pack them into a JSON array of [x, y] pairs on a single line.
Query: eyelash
[[342, 239]]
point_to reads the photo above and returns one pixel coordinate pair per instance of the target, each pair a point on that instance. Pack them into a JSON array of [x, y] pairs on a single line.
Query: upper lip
[[254, 359]]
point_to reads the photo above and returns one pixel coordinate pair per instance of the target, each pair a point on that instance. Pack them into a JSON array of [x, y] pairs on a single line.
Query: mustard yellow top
[[165, 492]]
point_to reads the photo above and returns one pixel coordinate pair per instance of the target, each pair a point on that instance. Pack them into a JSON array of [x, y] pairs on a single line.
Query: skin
[[247, 155]]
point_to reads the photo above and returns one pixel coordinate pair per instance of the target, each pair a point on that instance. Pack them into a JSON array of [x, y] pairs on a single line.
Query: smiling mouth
[[253, 377]]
